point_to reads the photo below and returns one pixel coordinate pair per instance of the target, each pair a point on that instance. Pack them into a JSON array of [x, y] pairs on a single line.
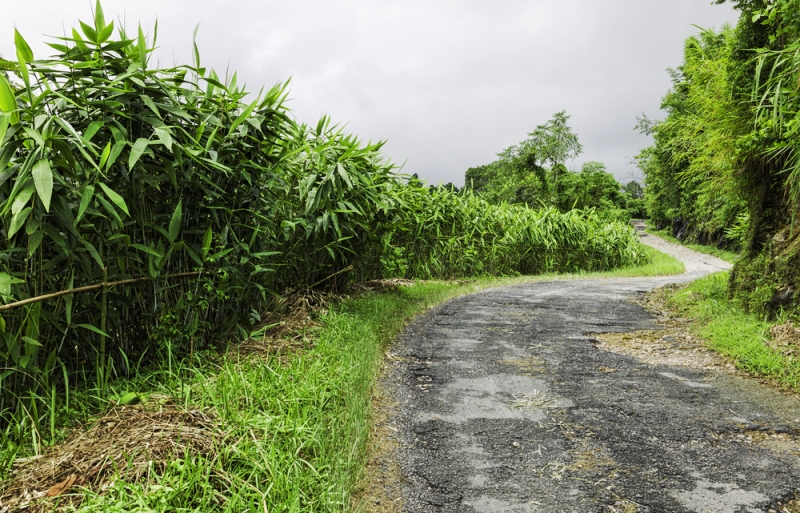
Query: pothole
[[527, 366]]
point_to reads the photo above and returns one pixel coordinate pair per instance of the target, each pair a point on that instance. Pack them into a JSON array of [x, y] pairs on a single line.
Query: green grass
[[298, 427], [731, 331], [659, 264], [724, 254]]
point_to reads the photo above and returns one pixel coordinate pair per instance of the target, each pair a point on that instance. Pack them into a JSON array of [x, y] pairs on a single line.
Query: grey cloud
[[449, 83]]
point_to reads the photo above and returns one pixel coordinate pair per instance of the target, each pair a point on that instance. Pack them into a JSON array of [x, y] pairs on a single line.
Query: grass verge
[[292, 428], [741, 336], [728, 256]]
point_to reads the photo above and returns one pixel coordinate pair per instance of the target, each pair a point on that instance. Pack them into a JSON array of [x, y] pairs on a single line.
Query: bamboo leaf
[[136, 152], [22, 198], [6, 280], [99, 19], [215, 83], [43, 180], [86, 197], [69, 298], [32, 341], [165, 137], [130, 398], [93, 251], [54, 234], [175, 222], [196, 52], [116, 150], [207, 242], [142, 44], [104, 34], [89, 32], [244, 115], [24, 56], [112, 212], [344, 175], [105, 154], [115, 198], [149, 251], [93, 328], [5, 120], [8, 101], [18, 221], [150, 104], [23, 49], [92, 129], [79, 42]]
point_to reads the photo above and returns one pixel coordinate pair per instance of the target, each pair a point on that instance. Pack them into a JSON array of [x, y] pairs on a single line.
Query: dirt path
[[505, 403]]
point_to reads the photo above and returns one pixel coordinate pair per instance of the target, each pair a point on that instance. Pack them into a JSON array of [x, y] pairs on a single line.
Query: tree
[[478, 178], [593, 187], [634, 189], [553, 144]]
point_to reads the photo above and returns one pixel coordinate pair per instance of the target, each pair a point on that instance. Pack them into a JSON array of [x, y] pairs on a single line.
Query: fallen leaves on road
[[670, 346]]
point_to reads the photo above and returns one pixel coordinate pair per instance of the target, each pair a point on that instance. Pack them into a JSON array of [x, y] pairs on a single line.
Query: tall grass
[[205, 202]]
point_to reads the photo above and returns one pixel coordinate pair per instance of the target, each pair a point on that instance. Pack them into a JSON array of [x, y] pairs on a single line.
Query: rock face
[[505, 403]]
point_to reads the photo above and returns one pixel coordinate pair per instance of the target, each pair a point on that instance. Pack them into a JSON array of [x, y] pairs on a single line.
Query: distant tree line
[[534, 172]]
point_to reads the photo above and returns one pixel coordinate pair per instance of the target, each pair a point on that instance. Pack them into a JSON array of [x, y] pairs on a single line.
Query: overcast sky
[[448, 83]]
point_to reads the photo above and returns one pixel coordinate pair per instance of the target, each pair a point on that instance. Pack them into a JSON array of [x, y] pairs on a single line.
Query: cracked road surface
[[505, 404]]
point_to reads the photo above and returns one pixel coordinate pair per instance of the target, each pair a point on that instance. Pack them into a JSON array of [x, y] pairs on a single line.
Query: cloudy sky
[[448, 83]]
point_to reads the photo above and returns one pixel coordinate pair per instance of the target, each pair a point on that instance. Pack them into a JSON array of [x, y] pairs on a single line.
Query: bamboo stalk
[[348, 268], [103, 327], [87, 288]]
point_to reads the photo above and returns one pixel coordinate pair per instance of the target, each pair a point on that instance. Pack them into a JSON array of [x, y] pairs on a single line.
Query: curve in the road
[[505, 404]]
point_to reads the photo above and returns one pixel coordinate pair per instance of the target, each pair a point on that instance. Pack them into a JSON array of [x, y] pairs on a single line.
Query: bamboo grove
[[183, 204], [725, 166]]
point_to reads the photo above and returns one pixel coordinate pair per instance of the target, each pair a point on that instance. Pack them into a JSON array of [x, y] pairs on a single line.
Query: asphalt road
[[505, 404]]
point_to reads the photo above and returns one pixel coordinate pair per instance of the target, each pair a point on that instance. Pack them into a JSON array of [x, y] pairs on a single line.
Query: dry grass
[[289, 326], [785, 338], [132, 441], [385, 284], [536, 400]]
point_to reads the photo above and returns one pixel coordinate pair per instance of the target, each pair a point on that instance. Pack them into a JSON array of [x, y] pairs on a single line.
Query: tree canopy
[[534, 172]]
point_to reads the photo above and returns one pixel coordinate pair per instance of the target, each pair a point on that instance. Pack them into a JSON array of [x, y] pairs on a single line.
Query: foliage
[[689, 172], [206, 201], [533, 172], [725, 166], [553, 143], [447, 235]]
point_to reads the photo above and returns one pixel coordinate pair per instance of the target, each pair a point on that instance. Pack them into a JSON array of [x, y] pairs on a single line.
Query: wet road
[[505, 404]]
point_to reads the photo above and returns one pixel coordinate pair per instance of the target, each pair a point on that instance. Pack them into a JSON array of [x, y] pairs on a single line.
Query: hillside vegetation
[[725, 167], [148, 212]]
